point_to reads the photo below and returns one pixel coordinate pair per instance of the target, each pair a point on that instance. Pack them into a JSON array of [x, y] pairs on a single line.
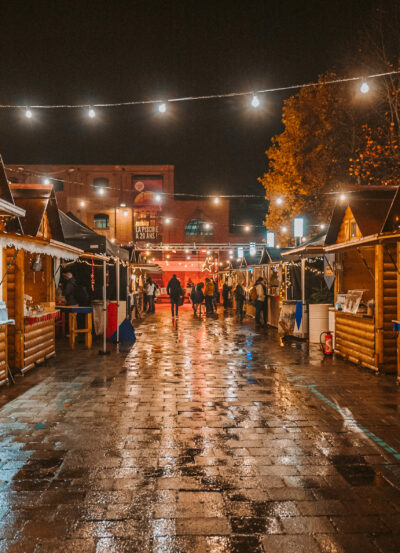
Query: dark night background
[[88, 52]]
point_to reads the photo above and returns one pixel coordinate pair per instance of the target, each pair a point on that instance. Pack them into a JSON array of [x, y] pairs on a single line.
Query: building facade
[[136, 204]]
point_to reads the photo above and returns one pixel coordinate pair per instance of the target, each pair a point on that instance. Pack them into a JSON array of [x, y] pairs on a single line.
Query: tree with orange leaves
[[310, 159]]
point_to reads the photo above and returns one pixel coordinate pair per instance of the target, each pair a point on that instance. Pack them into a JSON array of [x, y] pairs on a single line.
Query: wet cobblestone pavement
[[206, 437]]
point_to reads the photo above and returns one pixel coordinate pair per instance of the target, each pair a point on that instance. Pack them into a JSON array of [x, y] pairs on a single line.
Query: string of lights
[[161, 104]]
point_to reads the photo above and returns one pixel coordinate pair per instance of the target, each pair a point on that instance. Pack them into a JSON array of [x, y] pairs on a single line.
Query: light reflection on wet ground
[[205, 438]]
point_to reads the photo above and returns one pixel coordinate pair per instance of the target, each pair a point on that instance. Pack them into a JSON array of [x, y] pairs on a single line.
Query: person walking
[[209, 294], [260, 300], [198, 297], [239, 297], [150, 292], [216, 293], [175, 292], [225, 295]]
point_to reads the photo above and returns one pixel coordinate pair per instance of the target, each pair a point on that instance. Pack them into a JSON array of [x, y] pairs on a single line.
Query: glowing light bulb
[[208, 252], [230, 252], [322, 226], [168, 256], [278, 247], [247, 228], [188, 257], [167, 221], [101, 190], [162, 108], [186, 251], [122, 205], [231, 257], [207, 226], [364, 88], [91, 113], [342, 197], [255, 102], [46, 181], [82, 204], [158, 198], [284, 229], [279, 201], [113, 240], [28, 113], [216, 200]]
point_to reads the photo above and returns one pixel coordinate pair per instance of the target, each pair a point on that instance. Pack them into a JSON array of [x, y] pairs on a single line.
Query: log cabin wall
[[15, 304], [29, 344], [389, 307], [355, 339]]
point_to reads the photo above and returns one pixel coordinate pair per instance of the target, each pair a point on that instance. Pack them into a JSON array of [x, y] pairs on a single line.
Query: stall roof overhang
[[365, 241], [12, 210], [78, 234], [39, 246], [147, 268], [312, 248]]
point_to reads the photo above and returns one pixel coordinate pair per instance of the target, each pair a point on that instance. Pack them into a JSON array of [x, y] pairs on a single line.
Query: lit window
[[196, 227], [101, 220], [100, 181]]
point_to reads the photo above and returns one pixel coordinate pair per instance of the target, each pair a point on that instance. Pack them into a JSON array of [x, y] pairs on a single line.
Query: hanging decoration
[[92, 277]]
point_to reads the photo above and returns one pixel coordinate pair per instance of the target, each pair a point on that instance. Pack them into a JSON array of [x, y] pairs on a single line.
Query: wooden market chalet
[[32, 243], [364, 236]]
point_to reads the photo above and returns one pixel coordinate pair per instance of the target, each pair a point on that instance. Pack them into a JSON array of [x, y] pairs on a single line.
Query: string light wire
[[162, 103]]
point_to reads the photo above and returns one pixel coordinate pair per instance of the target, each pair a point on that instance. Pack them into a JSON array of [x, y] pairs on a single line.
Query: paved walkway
[[206, 437]]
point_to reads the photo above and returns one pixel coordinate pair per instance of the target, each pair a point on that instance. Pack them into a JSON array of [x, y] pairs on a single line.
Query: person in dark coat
[[198, 297], [239, 297], [69, 287], [225, 294], [175, 292]]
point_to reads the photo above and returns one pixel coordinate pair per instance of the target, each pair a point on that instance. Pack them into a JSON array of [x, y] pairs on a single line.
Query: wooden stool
[[74, 330]]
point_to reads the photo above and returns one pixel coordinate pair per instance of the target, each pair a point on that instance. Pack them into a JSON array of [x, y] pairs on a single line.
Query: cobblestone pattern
[[206, 437]]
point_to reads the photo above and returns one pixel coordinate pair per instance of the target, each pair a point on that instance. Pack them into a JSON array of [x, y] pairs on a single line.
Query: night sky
[[88, 52]]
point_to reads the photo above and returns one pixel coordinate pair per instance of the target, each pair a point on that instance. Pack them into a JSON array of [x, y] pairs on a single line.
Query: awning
[[36, 245]]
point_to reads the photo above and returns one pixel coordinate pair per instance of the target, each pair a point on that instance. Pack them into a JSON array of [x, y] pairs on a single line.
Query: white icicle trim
[[27, 245]]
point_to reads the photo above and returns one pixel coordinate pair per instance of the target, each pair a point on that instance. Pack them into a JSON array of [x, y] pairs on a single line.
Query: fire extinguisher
[[326, 347]]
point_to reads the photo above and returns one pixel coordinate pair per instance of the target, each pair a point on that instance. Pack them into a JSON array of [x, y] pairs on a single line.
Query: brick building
[[136, 205]]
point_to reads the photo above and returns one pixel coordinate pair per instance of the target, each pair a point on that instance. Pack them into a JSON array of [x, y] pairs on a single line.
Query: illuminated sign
[[298, 227], [270, 239], [253, 250], [240, 252]]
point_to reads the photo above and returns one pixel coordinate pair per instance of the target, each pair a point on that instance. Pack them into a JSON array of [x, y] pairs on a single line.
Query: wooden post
[[398, 310], [118, 277], [19, 309], [379, 304], [104, 306]]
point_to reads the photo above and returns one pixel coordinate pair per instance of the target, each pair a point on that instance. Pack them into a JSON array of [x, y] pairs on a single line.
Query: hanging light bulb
[[91, 113], [322, 226], [207, 226], [255, 102], [216, 200], [247, 228], [167, 221], [46, 181], [162, 108], [101, 190], [342, 197], [279, 201], [157, 198], [28, 113], [284, 229], [82, 203], [364, 88]]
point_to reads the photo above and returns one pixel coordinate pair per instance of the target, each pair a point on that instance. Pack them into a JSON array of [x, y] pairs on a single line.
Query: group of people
[[207, 293], [210, 296]]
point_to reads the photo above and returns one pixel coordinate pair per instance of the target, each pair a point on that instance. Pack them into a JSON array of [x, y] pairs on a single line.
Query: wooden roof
[[370, 207], [6, 195], [37, 200]]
